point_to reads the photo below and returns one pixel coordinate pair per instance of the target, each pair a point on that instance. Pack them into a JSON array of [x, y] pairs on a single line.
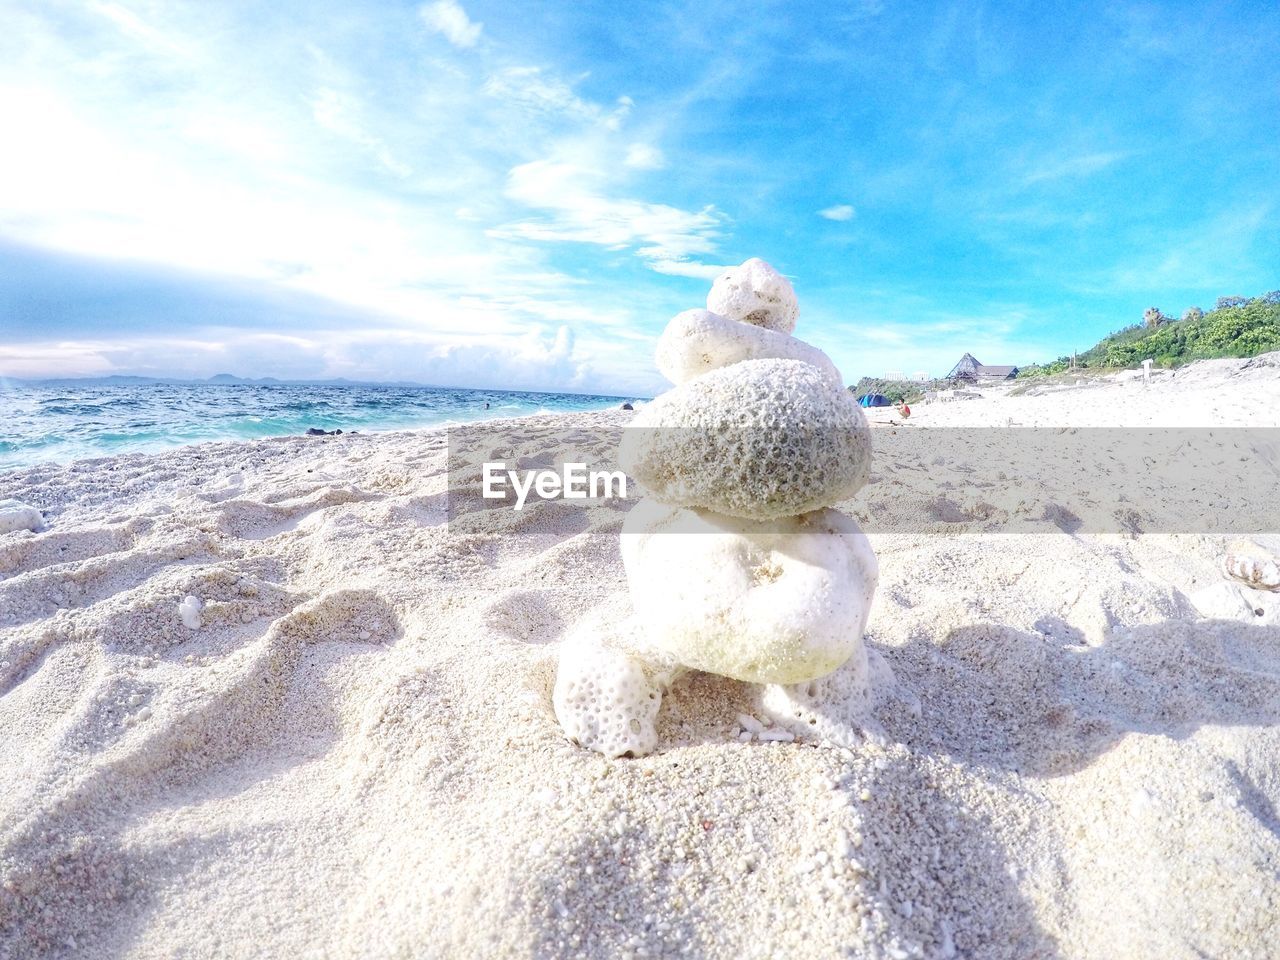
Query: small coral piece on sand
[[15, 515], [757, 294], [189, 611], [605, 698], [1253, 564]]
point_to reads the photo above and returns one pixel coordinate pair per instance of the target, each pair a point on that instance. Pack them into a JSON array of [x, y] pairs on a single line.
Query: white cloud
[[688, 268], [1213, 253], [538, 358], [54, 358], [336, 112], [840, 212], [129, 23], [1079, 165], [620, 113], [541, 93], [447, 17], [644, 156], [522, 363], [578, 211]]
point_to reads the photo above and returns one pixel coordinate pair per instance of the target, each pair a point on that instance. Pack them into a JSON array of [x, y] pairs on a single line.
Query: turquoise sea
[[64, 421]]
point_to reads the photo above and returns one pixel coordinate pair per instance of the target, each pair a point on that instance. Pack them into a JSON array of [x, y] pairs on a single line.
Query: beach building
[[969, 368]]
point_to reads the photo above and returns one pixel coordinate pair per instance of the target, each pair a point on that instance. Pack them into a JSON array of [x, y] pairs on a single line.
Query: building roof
[[970, 366], [967, 366]]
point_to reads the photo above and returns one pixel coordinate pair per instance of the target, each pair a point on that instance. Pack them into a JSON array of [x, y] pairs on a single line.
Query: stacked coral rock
[[736, 561]]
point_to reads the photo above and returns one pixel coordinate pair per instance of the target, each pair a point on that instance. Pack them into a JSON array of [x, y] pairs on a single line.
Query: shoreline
[[201, 446], [102, 422], [1122, 397]]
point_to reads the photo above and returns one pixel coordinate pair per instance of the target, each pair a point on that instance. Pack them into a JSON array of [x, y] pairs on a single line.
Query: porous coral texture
[[755, 293], [760, 439]]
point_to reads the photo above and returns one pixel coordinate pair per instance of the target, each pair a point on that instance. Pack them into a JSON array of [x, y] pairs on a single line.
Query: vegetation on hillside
[[1236, 327], [895, 390], [903, 391]]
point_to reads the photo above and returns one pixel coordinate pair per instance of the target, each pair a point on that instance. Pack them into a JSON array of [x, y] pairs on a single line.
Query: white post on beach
[[1146, 372]]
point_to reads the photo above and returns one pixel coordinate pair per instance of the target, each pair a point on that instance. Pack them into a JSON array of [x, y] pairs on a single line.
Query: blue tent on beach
[[874, 400]]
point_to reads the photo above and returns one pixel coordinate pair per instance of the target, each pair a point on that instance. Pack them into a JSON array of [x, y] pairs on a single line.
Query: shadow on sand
[[1043, 704]]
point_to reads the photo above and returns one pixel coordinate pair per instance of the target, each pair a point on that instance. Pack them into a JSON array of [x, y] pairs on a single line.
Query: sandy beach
[[353, 753]]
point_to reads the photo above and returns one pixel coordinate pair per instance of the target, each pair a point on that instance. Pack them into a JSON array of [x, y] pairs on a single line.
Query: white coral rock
[[16, 515], [189, 612], [699, 341], [836, 708], [779, 601], [755, 293], [758, 439], [606, 697]]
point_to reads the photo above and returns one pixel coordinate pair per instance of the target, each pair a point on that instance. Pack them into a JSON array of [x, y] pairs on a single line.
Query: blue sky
[[521, 195]]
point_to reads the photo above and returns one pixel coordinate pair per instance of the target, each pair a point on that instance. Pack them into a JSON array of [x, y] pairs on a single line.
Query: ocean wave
[[66, 423]]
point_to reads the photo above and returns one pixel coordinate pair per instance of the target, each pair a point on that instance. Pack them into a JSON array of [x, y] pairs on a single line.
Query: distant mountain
[[231, 380], [220, 380], [111, 381]]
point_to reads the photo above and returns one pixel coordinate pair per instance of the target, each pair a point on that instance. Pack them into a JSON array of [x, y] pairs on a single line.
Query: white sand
[[354, 753]]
